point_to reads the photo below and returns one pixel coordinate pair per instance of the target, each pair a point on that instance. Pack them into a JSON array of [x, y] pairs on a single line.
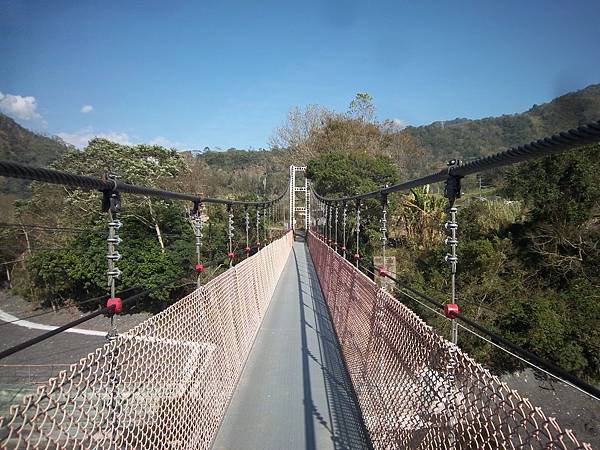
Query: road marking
[[6, 317]]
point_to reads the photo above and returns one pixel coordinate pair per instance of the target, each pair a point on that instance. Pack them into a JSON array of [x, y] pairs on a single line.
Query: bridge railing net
[[165, 383], [416, 390]]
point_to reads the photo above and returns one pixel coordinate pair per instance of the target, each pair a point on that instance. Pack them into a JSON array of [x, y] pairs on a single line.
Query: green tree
[[153, 231], [341, 174]]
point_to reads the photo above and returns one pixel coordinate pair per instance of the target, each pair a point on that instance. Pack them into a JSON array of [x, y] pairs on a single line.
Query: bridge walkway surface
[[294, 391]]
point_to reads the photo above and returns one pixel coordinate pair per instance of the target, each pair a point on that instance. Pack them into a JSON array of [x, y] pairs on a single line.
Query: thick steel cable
[[14, 170], [567, 140]]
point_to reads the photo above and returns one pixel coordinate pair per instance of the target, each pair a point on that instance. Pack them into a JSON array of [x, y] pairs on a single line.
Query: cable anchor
[[453, 183]]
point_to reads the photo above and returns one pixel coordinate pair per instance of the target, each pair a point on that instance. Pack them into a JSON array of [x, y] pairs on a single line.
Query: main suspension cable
[[15, 170]]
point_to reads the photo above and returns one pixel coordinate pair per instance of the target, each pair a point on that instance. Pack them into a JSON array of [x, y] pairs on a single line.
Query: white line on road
[[6, 317]]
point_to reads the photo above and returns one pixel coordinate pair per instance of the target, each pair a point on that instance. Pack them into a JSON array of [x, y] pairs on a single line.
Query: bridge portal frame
[[293, 192]]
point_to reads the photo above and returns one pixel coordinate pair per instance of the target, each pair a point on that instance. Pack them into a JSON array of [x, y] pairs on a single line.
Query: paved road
[[22, 372], [294, 392]]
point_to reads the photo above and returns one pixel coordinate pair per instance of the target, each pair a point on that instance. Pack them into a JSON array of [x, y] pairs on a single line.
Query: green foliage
[[75, 268], [563, 188], [342, 174], [528, 265], [346, 174]]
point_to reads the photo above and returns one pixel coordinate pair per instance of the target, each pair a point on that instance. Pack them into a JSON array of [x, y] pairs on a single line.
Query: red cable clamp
[[356, 256], [115, 305], [451, 310], [247, 249], [343, 248], [231, 255], [200, 268], [382, 272]]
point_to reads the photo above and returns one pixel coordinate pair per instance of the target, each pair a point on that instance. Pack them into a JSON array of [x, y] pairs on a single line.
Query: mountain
[[17, 144], [464, 138]]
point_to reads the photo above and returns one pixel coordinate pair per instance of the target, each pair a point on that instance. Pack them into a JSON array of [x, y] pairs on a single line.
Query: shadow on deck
[[294, 392]]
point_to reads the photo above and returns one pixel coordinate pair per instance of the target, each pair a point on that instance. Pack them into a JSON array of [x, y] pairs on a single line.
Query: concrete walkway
[[294, 392]]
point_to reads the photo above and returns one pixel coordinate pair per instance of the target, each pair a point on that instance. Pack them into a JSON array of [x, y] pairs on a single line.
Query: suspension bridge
[[293, 347]]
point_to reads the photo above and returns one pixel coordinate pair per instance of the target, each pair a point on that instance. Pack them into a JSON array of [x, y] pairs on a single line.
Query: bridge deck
[[294, 392]]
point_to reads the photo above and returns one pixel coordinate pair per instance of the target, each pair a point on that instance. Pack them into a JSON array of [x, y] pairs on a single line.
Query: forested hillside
[[466, 138], [18, 144]]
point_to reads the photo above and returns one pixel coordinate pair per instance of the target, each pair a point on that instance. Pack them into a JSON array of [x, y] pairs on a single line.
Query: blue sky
[[223, 73]]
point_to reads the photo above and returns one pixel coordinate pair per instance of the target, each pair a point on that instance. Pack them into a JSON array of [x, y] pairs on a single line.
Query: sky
[[225, 73]]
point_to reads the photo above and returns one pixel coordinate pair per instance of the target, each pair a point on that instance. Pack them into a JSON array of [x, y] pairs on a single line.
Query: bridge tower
[[299, 198]]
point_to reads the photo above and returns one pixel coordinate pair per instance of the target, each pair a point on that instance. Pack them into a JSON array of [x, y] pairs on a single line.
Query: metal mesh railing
[[415, 389], [165, 383]]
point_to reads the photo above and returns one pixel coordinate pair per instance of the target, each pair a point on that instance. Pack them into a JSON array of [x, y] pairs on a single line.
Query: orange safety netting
[[165, 383], [415, 389]]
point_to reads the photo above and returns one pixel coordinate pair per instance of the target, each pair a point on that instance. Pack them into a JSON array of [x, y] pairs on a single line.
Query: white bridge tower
[[299, 204]]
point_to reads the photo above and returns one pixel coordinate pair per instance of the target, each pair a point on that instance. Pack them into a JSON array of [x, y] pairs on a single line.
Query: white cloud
[[164, 142], [399, 123], [82, 137], [19, 107], [87, 109]]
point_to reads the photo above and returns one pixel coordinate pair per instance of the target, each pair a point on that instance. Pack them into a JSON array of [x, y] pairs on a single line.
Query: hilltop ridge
[[467, 138]]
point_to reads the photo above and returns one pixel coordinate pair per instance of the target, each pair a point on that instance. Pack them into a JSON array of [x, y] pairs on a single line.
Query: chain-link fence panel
[[416, 390], [165, 383]]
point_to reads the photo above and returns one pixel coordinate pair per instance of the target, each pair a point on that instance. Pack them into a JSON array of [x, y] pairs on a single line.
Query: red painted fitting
[[382, 272], [115, 305], [231, 255], [247, 249], [343, 248], [451, 310], [199, 268], [258, 243], [356, 256]]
